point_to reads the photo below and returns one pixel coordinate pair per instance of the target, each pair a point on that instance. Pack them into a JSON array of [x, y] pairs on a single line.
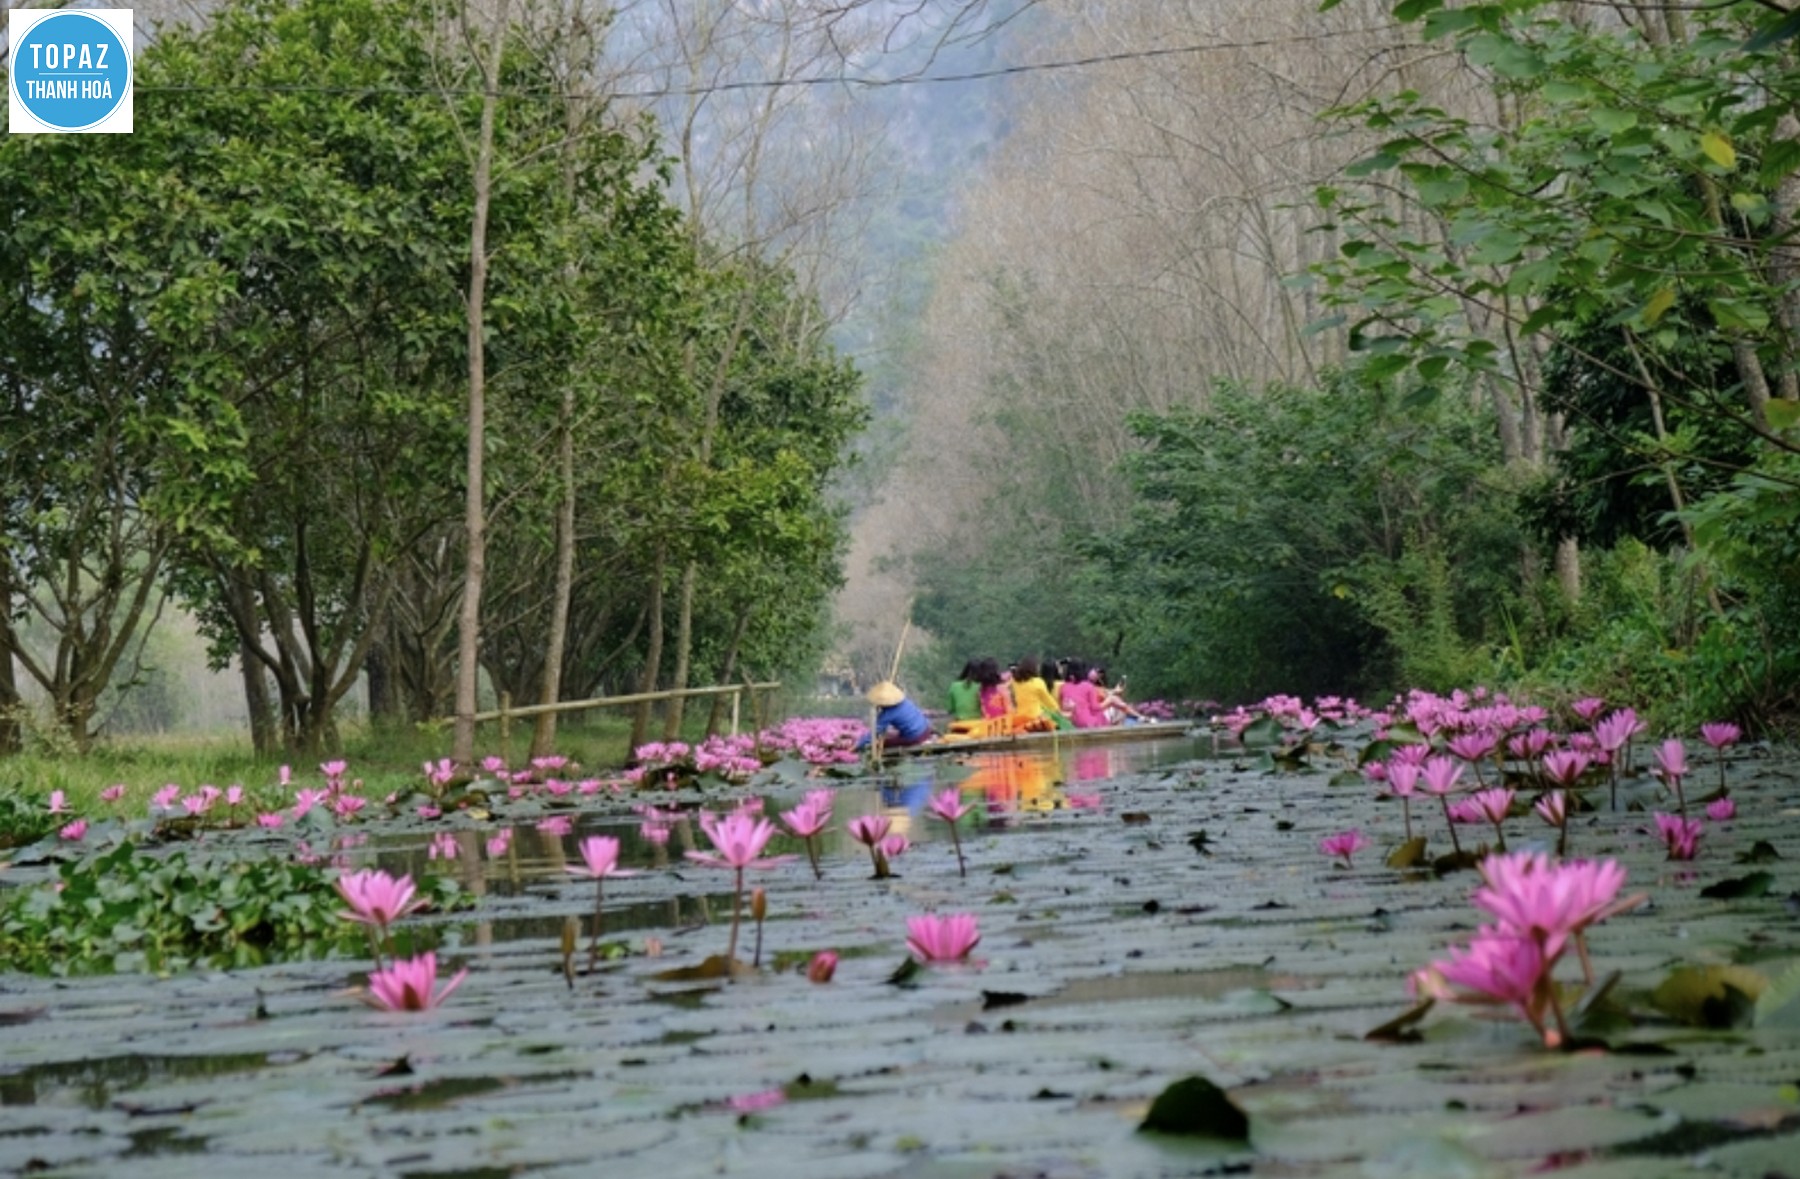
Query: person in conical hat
[[899, 721]]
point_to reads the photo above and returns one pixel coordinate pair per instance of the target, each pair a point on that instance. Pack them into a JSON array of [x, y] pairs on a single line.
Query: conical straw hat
[[886, 694]]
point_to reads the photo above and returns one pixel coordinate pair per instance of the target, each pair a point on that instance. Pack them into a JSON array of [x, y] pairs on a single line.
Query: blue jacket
[[906, 719]]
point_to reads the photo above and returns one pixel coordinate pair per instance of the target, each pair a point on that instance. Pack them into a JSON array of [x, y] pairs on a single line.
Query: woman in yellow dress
[[1032, 702]]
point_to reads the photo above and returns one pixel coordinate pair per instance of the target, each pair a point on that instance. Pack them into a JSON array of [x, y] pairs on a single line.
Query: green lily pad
[[1194, 1107]]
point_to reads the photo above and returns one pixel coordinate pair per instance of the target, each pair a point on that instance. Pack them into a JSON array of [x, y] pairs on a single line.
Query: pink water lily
[[1720, 809], [894, 845], [1402, 783], [1588, 708], [410, 985], [1495, 804], [947, 804], [1498, 967], [1721, 735], [58, 803], [377, 899], [739, 839], [1550, 901], [1344, 845], [871, 830], [807, 820], [1671, 761], [1680, 835], [1614, 733], [113, 793], [73, 832], [1440, 778], [947, 938], [822, 967], [599, 859], [443, 847]]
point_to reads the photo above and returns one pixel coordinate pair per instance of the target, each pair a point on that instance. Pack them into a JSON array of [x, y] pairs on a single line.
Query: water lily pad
[[1195, 1107], [1710, 996]]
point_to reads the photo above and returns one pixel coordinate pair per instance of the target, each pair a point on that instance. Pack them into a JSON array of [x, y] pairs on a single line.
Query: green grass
[[386, 759]]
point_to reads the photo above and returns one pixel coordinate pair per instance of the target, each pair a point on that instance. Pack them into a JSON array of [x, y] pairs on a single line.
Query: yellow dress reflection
[[1013, 781]]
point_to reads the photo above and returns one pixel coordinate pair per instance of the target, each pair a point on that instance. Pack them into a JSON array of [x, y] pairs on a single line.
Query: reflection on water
[[537, 862]]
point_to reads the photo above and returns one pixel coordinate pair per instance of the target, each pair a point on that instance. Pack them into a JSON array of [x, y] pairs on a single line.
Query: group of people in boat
[[986, 701]]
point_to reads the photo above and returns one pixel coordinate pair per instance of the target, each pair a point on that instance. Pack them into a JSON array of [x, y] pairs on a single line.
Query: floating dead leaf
[[1403, 1028], [993, 999], [1456, 862], [1761, 852], [1201, 842], [1409, 854], [1710, 996], [1194, 1107], [716, 966], [1134, 818], [1756, 884]]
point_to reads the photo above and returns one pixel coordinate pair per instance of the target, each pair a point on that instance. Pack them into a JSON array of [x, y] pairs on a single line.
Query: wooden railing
[[506, 713]]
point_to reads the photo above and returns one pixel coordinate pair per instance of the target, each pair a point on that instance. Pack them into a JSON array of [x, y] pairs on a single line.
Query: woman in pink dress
[[1081, 698]]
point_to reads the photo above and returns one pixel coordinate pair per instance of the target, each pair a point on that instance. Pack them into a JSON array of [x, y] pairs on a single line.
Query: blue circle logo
[[70, 71]]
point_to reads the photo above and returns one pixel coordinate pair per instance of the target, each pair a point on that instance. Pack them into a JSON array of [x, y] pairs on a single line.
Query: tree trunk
[[468, 626], [12, 730], [640, 723], [263, 735], [684, 646], [1568, 567], [728, 668], [543, 734]]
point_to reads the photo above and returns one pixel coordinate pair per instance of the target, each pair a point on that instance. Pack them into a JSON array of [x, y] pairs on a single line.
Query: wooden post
[[506, 726], [735, 697]]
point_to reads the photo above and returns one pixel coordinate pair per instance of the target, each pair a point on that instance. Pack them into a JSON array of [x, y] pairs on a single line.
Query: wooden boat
[[1020, 742]]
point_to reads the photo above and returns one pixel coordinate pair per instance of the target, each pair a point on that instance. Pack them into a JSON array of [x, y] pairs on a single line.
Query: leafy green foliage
[[131, 910], [24, 818]]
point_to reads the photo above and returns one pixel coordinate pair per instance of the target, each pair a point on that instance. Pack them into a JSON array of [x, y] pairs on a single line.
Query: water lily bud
[[822, 967], [759, 904]]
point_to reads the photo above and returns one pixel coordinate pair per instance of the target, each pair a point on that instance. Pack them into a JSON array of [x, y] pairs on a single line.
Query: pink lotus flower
[[738, 839], [947, 804], [812, 816], [1530, 746], [334, 770], [1410, 754], [600, 857], [58, 804], [1474, 748], [1720, 809], [949, 938], [822, 967], [377, 899], [443, 847], [1681, 836], [749, 1103], [197, 804], [894, 846], [1554, 807], [1671, 758], [1565, 766], [1588, 708], [113, 793], [494, 765], [1494, 804], [345, 806], [1402, 782], [871, 830], [1440, 778], [556, 826], [1721, 735], [1441, 775], [234, 796], [74, 831], [306, 800], [1499, 968], [166, 798], [427, 811], [271, 820], [1550, 901], [409, 985], [500, 843], [284, 776], [1344, 845]]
